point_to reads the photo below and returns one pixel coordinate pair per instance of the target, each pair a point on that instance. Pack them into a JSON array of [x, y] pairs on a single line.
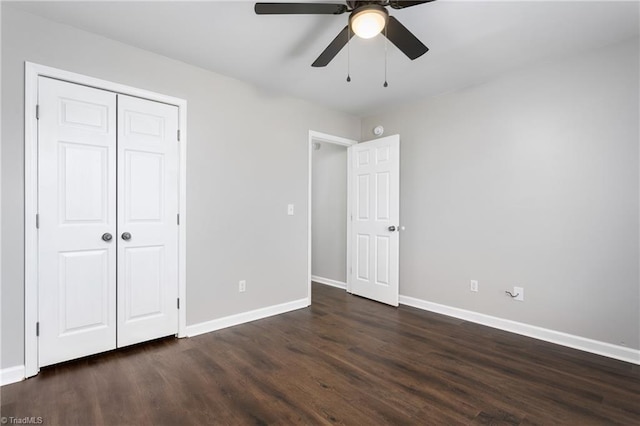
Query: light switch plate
[[290, 209]]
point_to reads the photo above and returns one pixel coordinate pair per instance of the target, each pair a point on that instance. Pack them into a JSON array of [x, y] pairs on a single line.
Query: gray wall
[[329, 212], [247, 159], [528, 180]]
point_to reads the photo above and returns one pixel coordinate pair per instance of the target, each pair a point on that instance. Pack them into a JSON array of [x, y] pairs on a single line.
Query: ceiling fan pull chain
[[385, 57], [349, 53]]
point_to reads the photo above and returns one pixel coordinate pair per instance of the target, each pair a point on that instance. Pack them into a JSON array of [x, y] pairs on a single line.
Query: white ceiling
[[470, 42]]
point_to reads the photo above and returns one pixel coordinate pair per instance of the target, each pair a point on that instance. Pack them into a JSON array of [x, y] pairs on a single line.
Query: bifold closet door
[[147, 220], [77, 221]]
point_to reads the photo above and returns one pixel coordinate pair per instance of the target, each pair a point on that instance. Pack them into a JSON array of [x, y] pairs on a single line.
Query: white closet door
[[147, 220], [76, 195]]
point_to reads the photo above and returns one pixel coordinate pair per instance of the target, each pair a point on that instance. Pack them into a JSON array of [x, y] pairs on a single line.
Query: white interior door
[[76, 193], [375, 214], [148, 165]]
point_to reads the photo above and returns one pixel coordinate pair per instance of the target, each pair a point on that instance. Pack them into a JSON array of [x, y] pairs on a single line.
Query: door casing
[[32, 72]]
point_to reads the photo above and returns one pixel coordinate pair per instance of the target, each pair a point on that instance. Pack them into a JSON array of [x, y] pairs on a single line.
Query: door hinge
[[178, 218], [37, 112], [178, 135], [38, 329], [37, 221], [178, 303]]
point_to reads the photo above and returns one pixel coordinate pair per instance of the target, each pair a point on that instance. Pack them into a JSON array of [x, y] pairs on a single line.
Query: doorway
[[371, 240], [328, 223]]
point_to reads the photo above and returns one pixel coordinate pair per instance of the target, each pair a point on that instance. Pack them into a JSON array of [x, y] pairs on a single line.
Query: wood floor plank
[[343, 361]]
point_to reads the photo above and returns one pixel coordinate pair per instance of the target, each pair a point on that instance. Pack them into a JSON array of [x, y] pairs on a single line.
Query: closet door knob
[[126, 236], [106, 236]]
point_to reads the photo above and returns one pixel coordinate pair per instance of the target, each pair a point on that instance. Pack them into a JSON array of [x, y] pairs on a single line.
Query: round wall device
[[378, 130]]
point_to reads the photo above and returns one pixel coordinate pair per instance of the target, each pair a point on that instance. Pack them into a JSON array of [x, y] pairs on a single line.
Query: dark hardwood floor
[[345, 360]]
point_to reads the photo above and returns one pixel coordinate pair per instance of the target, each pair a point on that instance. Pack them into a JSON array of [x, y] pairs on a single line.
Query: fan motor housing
[[353, 5]]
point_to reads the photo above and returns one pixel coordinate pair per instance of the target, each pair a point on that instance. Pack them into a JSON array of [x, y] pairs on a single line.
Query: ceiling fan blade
[[404, 40], [333, 48], [401, 4], [299, 8]]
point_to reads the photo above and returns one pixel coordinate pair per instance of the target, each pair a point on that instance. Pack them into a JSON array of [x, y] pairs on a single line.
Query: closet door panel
[[76, 205], [147, 220]]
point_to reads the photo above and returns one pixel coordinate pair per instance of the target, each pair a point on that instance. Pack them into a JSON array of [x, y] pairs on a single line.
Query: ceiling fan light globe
[[368, 23]]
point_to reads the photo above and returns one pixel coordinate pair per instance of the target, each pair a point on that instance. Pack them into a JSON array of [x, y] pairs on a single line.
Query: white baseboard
[[588, 345], [11, 375], [230, 321], [327, 281], [17, 373]]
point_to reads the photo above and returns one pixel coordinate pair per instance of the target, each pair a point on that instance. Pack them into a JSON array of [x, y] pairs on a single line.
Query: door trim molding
[[337, 140], [31, 73]]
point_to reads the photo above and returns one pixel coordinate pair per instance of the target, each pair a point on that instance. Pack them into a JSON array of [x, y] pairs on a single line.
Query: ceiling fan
[[367, 19]]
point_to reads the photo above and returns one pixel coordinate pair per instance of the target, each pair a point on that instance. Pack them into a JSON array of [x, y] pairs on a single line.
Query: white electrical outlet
[[473, 285], [519, 291], [242, 286]]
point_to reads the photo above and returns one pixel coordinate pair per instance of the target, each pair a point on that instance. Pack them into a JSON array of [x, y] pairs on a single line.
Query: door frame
[[337, 140], [31, 74]]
